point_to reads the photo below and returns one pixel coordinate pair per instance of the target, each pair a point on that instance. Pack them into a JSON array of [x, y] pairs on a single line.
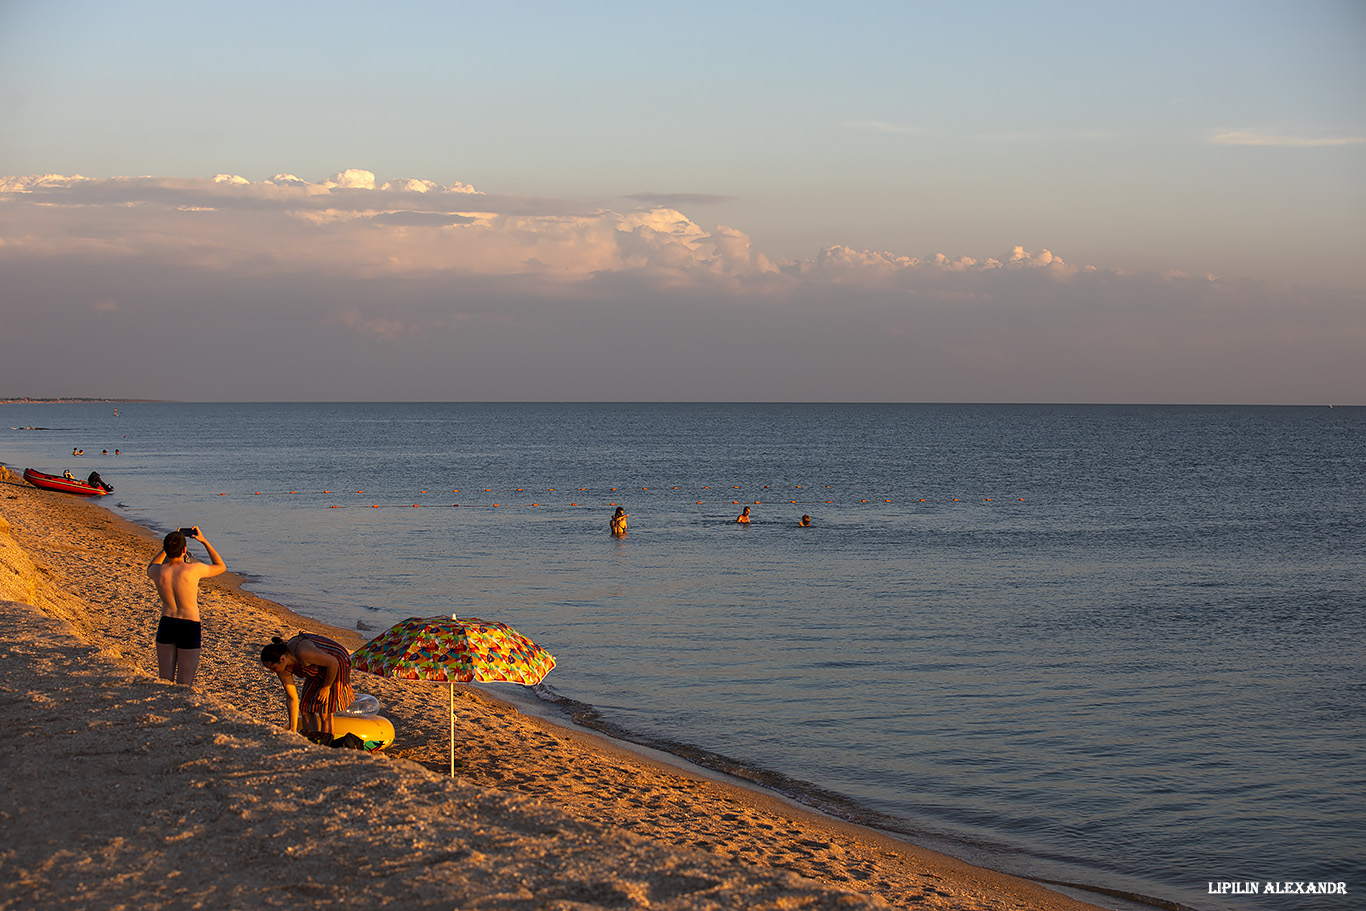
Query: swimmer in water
[[805, 522], [743, 518], [619, 523]]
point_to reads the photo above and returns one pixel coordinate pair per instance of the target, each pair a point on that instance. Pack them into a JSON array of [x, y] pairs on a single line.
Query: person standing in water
[[619, 523], [325, 666], [743, 518], [176, 577]]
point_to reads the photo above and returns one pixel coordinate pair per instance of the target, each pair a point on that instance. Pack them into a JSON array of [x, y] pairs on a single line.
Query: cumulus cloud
[[352, 222], [354, 287]]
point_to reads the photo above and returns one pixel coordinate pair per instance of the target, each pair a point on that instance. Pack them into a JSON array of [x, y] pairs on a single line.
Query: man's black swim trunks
[[178, 632]]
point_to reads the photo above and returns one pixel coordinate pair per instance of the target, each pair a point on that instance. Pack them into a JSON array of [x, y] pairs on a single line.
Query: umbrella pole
[[452, 728]]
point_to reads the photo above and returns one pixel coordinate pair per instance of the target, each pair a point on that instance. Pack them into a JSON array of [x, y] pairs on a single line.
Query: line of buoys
[[614, 503], [260, 493]]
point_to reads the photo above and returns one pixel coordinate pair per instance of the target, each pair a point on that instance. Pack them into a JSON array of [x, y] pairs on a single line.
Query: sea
[[1117, 647]]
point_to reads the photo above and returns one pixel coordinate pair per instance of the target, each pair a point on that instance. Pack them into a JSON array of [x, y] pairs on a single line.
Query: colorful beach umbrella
[[452, 649]]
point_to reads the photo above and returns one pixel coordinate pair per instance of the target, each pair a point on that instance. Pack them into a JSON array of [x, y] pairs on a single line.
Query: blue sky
[[1135, 143]]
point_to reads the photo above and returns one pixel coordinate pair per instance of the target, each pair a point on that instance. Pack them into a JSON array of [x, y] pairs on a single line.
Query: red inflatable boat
[[65, 485]]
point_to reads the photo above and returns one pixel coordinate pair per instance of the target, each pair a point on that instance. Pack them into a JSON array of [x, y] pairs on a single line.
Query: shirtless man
[[177, 582]]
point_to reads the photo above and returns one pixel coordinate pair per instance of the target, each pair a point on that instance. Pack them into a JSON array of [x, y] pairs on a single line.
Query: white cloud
[[1259, 138], [352, 287], [351, 179], [351, 222]]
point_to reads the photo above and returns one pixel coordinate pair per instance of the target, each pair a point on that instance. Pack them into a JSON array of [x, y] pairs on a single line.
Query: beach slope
[[125, 791]]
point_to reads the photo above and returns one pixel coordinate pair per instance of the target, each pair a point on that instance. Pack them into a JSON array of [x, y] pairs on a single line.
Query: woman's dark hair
[[273, 652]]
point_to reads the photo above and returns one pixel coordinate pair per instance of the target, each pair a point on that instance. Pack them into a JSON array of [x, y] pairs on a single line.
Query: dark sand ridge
[[124, 791]]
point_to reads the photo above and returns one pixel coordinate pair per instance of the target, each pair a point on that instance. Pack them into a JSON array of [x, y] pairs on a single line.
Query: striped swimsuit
[[312, 697]]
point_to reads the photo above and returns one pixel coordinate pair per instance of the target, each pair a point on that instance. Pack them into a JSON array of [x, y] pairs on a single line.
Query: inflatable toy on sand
[[363, 720]]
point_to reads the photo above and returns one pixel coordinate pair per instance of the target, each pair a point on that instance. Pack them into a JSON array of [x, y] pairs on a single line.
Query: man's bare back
[[178, 585], [176, 579]]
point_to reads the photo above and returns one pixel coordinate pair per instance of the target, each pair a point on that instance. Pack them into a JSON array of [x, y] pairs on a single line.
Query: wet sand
[[124, 791]]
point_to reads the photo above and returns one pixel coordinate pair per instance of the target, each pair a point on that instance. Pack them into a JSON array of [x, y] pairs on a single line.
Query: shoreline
[[86, 570]]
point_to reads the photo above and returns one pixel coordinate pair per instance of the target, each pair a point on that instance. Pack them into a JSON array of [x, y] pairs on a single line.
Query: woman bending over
[[325, 666]]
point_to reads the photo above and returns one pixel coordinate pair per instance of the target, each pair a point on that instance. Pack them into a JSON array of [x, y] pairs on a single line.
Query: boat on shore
[[65, 485]]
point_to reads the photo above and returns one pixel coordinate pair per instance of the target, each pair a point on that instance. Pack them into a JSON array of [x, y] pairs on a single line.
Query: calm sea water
[[1118, 646]]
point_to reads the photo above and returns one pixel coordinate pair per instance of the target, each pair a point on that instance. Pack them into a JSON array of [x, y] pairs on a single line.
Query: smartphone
[[188, 532]]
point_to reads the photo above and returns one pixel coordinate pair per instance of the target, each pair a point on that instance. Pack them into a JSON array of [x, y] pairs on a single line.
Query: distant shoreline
[[73, 400]]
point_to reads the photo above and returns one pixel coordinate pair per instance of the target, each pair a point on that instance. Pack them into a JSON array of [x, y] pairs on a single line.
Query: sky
[[909, 202]]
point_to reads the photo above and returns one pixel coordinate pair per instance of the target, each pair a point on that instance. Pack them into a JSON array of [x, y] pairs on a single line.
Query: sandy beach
[[123, 791]]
